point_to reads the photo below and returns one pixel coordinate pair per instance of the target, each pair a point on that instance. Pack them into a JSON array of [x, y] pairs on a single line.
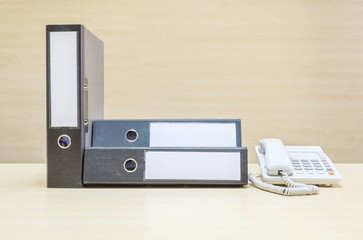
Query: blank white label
[[63, 79], [192, 165], [168, 134]]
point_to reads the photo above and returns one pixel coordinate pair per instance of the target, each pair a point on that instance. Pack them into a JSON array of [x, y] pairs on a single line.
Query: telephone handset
[[294, 166], [276, 157]]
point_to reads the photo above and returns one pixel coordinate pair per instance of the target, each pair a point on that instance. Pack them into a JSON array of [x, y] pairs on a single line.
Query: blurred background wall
[[289, 69]]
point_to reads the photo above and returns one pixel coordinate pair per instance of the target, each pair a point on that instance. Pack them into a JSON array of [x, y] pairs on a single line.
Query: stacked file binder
[[85, 150]]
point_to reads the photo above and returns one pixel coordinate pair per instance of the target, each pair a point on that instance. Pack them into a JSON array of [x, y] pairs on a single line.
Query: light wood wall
[[289, 69]]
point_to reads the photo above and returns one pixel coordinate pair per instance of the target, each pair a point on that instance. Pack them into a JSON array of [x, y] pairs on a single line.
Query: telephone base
[[311, 166]]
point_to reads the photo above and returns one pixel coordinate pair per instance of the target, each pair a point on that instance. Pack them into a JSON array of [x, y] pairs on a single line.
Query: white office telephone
[[294, 166]]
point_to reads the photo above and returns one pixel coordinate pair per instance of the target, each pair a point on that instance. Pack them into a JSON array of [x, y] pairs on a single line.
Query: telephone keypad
[[309, 162]]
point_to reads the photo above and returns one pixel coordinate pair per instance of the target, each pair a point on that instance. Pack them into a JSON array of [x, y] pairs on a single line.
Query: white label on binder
[[192, 165], [63, 79], [168, 134]]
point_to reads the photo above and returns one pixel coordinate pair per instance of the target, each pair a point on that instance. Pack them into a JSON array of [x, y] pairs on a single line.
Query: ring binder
[[74, 79], [165, 166], [167, 133]]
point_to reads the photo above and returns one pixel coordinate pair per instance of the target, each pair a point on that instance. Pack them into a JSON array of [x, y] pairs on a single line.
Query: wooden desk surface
[[29, 210]]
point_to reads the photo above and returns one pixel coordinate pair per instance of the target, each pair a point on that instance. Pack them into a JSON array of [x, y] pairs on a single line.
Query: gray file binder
[[167, 133], [165, 166], [74, 100]]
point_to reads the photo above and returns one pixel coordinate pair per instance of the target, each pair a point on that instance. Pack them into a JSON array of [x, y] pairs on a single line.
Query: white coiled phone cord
[[293, 189]]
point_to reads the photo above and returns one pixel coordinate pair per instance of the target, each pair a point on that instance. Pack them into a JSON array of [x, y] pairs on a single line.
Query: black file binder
[[165, 166], [167, 133], [74, 100]]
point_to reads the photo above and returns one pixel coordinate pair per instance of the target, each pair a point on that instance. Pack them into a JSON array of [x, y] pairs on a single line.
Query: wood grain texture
[[289, 69], [31, 211]]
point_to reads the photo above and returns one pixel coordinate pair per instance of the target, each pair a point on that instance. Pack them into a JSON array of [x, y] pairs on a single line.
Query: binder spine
[[165, 166], [167, 133], [65, 131]]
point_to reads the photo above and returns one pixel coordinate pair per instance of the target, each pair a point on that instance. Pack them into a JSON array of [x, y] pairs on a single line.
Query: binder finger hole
[[131, 135], [64, 141], [130, 165]]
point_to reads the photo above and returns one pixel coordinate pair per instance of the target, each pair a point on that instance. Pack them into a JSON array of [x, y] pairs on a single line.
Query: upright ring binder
[[74, 80]]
